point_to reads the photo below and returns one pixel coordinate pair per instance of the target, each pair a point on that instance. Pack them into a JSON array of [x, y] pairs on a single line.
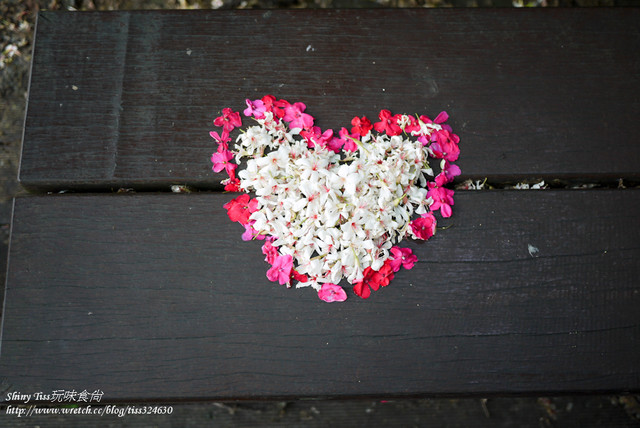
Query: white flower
[[427, 128]]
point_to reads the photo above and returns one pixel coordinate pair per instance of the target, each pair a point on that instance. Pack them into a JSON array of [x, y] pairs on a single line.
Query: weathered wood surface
[[127, 99], [155, 297]]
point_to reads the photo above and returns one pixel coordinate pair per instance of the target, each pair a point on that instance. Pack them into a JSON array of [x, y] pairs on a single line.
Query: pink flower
[[241, 208], [332, 293], [449, 172], [281, 269], [424, 227], [255, 108], [293, 113], [221, 161], [250, 233], [270, 252], [361, 126], [221, 139], [315, 136], [442, 199], [441, 118], [402, 257], [335, 144], [424, 140], [349, 145], [388, 123], [446, 145], [229, 120]]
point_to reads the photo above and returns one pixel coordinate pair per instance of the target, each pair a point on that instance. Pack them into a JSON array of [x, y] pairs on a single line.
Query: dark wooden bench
[[152, 296]]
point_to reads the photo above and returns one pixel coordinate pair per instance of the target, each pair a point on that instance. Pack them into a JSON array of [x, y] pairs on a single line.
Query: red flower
[[298, 276], [388, 123], [424, 227], [228, 121], [412, 126], [361, 126], [240, 208], [232, 184], [274, 106], [373, 279]]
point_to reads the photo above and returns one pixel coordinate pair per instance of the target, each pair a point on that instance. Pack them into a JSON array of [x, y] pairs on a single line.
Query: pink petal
[[332, 293], [441, 118], [396, 261], [445, 210]]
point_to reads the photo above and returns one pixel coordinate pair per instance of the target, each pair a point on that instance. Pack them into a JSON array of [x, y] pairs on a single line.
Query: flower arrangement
[[331, 206]]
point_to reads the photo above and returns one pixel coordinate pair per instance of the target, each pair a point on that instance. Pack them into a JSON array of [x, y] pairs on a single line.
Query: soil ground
[[16, 34]]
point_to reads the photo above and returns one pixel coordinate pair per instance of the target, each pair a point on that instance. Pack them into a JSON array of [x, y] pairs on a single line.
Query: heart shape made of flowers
[[332, 207]]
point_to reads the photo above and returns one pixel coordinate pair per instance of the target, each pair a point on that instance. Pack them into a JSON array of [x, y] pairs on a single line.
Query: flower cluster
[[332, 206]]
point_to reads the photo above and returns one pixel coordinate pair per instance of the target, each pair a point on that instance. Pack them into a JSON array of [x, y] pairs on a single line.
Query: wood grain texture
[[155, 297], [127, 98]]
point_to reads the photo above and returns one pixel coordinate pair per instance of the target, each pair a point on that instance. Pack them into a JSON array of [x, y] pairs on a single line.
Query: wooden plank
[[127, 98], [149, 297]]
